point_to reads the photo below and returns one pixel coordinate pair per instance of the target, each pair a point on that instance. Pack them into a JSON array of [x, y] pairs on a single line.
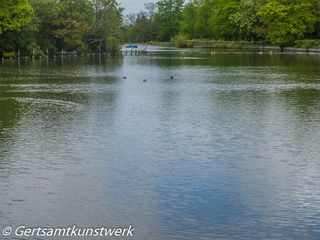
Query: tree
[[72, 23], [35, 26], [188, 23], [205, 11], [247, 19], [220, 21], [316, 12], [14, 15], [141, 27], [44, 22], [287, 21], [15, 26], [151, 9], [107, 23], [168, 18]]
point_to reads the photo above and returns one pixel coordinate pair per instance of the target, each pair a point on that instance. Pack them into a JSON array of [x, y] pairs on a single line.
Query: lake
[[227, 149]]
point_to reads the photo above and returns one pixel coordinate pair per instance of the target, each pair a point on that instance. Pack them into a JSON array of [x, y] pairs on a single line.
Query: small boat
[[131, 46]]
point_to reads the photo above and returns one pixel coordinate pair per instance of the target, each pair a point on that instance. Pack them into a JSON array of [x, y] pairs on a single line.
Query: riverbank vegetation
[[39, 27], [234, 23]]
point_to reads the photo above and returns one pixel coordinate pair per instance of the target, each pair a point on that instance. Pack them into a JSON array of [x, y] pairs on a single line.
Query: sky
[[133, 6]]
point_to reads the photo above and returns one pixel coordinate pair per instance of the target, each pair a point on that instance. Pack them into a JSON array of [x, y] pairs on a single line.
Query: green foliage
[[144, 29], [40, 26], [107, 22], [9, 54], [182, 41], [188, 23], [316, 12], [14, 15], [307, 43], [168, 18], [247, 19], [220, 44], [71, 23], [287, 21], [113, 45], [220, 21], [280, 22], [141, 27], [44, 23], [202, 26]]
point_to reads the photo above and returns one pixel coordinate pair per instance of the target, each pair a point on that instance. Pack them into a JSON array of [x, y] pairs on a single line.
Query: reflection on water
[[228, 149]]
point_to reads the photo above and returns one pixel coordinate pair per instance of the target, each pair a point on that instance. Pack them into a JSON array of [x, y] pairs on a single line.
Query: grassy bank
[[222, 44], [180, 42], [299, 45]]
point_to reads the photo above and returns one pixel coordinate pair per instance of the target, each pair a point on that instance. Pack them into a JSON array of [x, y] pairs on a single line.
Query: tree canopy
[[14, 15], [41, 26], [280, 22], [168, 17], [286, 21]]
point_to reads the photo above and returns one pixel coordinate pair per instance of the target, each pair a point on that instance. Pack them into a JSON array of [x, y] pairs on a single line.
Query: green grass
[[221, 44]]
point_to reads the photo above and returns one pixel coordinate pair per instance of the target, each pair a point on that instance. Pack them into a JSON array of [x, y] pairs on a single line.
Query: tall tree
[[141, 27], [287, 21], [316, 13], [14, 15], [72, 23], [220, 21], [247, 19], [188, 22], [205, 11], [46, 14], [151, 9], [107, 23], [168, 17]]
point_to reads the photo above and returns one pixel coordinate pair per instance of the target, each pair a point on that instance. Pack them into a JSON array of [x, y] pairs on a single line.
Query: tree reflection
[[10, 113]]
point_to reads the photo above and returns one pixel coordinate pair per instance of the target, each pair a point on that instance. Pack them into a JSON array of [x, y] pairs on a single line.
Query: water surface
[[227, 149]]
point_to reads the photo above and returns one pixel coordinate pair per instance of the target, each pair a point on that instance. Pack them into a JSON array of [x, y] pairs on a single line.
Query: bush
[[33, 49], [181, 41], [221, 44], [112, 45], [9, 54], [83, 49]]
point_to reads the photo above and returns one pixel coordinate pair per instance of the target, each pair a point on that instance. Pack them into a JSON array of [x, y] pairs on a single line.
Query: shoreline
[[237, 45]]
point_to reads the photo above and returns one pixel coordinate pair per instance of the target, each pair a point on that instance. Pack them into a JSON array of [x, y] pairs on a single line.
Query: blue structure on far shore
[[132, 46]]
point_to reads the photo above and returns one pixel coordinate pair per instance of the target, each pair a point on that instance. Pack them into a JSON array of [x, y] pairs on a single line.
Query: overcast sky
[[134, 6]]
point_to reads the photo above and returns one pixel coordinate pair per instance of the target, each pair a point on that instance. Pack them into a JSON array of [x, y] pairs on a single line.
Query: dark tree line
[[160, 21], [280, 22], [49, 26]]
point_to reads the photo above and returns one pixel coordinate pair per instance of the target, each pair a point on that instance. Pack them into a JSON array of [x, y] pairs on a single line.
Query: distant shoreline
[[233, 45]]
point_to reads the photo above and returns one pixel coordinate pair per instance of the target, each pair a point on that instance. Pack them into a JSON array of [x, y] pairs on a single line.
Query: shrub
[[9, 54], [182, 41], [113, 45]]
